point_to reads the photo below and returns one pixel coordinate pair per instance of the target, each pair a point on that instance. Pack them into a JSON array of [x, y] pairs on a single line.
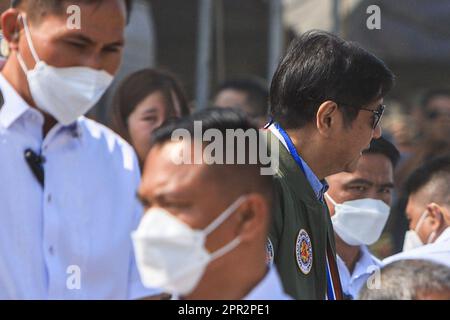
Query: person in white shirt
[[67, 192], [359, 205], [428, 212], [204, 233]]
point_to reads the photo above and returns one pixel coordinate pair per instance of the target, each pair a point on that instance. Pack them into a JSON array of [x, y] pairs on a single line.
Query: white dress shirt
[[364, 268], [438, 251], [70, 239], [270, 288]]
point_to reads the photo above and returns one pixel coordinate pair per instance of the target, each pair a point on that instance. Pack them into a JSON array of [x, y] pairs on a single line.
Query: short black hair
[[211, 118], [234, 177], [256, 90], [320, 66], [384, 147], [437, 169], [433, 93], [56, 5]]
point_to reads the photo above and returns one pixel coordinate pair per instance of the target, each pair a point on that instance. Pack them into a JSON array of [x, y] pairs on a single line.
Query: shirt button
[[51, 250], [49, 198]]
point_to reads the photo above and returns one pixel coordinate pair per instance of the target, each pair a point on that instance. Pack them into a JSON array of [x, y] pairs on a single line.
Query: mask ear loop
[[225, 215], [331, 199], [28, 36], [421, 220], [217, 222], [24, 21]]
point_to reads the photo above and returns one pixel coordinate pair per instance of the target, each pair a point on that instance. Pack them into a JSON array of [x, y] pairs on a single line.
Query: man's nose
[[93, 61]]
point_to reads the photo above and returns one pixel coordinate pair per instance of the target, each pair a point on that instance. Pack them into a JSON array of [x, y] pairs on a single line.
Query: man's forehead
[[87, 17], [368, 168], [162, 169], [373, 164]]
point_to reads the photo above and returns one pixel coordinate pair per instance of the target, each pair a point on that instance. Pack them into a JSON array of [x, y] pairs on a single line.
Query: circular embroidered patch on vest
[[303, 252], [269, 252]]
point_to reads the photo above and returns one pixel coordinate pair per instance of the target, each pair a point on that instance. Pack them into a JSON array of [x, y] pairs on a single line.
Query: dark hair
[[320, 66], [236, 178], [435, 169], [36, 6], [256, 91], [211, 118], [409, 280], [384, 147], [139, 85], [431, 94]]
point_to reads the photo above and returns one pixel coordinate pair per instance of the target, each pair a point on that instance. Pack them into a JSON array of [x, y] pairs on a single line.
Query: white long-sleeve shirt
[[71, 238]]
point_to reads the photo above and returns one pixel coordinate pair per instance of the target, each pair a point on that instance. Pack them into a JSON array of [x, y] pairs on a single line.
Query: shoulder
[[434, 251], [106, 143]]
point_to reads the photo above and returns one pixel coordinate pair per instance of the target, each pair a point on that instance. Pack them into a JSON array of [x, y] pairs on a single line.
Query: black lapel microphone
[[36, 164]]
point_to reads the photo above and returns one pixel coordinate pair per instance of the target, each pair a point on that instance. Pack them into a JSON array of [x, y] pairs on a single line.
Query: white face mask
[[64, 93], [412, 239], [359, 221], [170, 255]]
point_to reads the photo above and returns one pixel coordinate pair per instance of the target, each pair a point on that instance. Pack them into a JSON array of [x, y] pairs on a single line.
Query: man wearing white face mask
[[359, 206], [428, 212], [204, 233], [67, 183]]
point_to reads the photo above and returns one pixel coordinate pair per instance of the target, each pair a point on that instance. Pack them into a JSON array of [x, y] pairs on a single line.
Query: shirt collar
[[445, 235], [270, 287], [319, 186], [15, 106]]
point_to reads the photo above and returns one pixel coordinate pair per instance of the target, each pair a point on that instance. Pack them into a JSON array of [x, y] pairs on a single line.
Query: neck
[[14, 74], [309, 148], [349, 254], [231, 280]]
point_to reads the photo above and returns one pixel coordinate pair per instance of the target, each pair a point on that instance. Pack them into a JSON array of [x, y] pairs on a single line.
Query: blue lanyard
[[298, 160], [291, 147]]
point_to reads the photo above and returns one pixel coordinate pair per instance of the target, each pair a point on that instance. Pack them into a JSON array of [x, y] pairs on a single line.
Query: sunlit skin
[[374, 179], [328, 146], [98, 44], [435, 216], [181, 189], [148, 115]]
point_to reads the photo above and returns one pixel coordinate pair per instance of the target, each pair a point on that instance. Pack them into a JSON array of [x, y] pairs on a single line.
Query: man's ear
[[11, 27], [254, 215], [328, 118], [436, 214]]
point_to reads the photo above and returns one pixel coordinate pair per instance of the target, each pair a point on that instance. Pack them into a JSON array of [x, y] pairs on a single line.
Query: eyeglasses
[[377, 114]]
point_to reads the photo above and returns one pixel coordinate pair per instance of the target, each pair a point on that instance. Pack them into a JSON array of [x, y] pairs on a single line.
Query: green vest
[[300, 228]]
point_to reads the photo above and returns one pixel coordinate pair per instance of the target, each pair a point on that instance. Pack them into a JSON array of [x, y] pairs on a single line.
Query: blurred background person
[[428, 213], [249, 94], [410, 280], [431, 123], [142, 102], [359, 206], [205, 230], [399, 128]]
